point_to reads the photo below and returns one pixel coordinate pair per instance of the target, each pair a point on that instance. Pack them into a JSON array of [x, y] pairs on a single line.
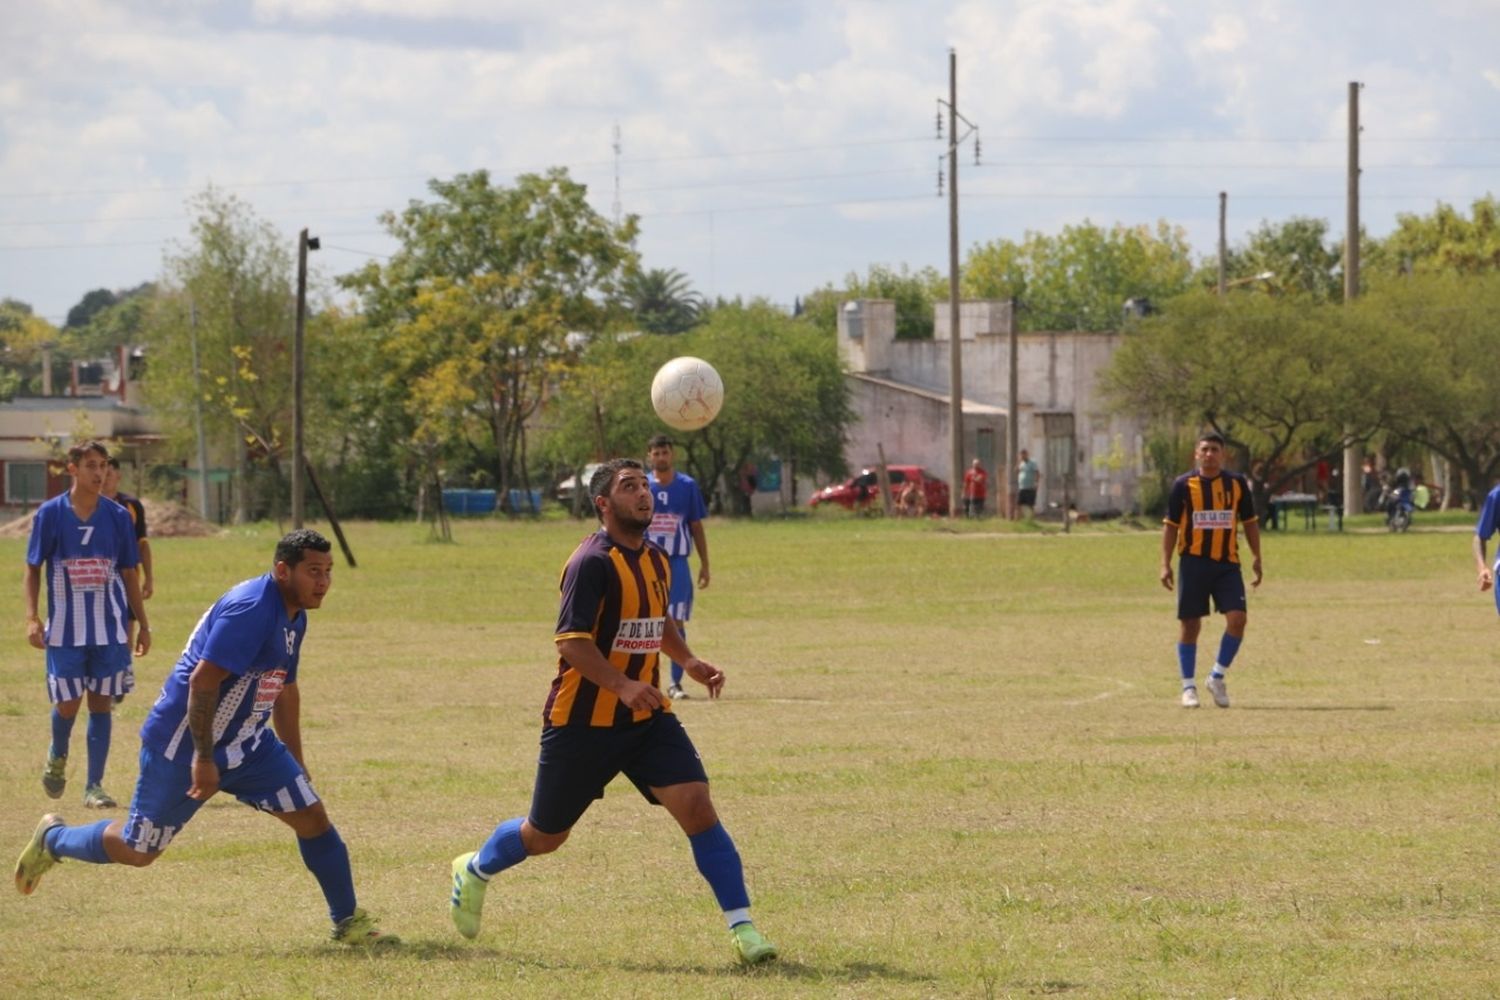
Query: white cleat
[[1190, 697], [1219, 690]]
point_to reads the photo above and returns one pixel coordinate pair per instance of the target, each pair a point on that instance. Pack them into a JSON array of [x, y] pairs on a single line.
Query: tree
[[1080, 279], [472, 312], [1296, 254], [662, 301], [24, 336], [103, 321], [230, 291], [1444, 241]]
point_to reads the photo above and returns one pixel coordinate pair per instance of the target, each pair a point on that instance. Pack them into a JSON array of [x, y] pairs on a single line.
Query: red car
[[860, 491]]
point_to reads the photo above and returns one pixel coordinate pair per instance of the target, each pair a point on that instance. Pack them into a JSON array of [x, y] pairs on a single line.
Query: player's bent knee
[[537, 842]]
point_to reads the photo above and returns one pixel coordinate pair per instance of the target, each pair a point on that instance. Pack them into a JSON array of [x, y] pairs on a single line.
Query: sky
[[769, 147]]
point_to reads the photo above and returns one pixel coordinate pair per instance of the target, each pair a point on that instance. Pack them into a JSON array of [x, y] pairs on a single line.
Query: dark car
[[862, 490]]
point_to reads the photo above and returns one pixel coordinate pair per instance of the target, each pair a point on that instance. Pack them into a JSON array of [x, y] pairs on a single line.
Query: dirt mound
[[164, 519]]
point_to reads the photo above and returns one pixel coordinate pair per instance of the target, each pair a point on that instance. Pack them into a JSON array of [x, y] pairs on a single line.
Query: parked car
[[564, 490], [860, 491]]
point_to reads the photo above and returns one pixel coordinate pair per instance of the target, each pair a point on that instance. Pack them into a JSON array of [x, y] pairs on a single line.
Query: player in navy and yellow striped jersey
[[1204, 512], [605, 713]]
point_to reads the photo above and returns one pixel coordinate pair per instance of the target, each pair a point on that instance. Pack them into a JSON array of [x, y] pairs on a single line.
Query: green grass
[[952, 761]]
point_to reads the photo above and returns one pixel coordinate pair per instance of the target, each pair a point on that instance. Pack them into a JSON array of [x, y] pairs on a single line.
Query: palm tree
[[663, 301]]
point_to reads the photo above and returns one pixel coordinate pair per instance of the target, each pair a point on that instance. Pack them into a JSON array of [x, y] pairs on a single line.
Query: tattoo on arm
[[200, 720]]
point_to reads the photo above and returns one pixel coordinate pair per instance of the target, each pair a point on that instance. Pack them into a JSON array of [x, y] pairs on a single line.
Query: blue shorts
[[1198, 579], [73, 669], [578, 761], [680, 598], [269, 779]]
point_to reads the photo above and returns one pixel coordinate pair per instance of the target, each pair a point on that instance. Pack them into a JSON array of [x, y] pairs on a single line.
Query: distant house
[[1087, 455], [33, 427]]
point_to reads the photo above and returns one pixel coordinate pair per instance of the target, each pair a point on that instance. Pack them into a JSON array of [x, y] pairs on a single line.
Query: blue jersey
[[677, 505], [246, 632], [86, 603], [1489, 515]]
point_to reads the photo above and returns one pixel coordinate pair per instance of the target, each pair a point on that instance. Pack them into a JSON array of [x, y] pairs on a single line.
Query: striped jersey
[[82, 560], [1208, 513], [246, 632], [676, 507], [616, 597]]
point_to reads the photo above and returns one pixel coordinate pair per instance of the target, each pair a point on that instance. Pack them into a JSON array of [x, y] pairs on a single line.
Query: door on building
[[1058, 486]]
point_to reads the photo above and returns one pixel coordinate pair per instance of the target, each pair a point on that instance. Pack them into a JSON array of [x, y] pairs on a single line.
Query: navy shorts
[[1198, 579], [1026, 498], [269, 779], [578, 761]]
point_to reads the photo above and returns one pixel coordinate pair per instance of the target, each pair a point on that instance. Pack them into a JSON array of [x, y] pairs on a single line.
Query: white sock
[[740, 916]]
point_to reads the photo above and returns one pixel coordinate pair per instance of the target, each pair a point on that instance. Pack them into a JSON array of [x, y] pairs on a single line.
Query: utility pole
[[955, 340], [304, 244], [1353, 459], [1223, 243], [1012, 408], [198, 414]]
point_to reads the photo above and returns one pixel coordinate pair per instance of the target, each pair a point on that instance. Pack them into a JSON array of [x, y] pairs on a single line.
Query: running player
[[1204, 510], [207, 732], [87, 546], [677, 526], [605, 714]]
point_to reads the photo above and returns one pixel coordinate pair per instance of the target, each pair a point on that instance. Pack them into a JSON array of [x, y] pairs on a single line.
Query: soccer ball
[[687, 393]]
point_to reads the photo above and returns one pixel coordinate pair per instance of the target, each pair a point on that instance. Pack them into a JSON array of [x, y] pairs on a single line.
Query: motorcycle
[[1396, 501]]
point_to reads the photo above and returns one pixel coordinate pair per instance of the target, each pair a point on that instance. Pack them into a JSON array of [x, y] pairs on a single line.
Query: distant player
[[207, 732], [1204, 510], [1489, 520], [85, 547], [605, 714], [677, 526], [137, 512]]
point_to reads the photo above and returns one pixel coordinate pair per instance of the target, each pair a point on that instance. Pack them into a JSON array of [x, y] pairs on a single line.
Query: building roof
[[968, 405]]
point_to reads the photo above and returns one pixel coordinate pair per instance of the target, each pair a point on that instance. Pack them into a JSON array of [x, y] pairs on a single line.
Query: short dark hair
[[76, 453], [291, 547], [1213, 436], [604, 477], [660, 441], [114, 463]]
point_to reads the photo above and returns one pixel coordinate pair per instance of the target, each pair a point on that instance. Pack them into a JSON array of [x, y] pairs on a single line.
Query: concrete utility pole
[[955, 341], [1353, 459], [1223, 243], [304, 244]]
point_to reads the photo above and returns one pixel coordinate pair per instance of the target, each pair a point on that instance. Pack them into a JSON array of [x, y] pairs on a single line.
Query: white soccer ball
[[687, 393]]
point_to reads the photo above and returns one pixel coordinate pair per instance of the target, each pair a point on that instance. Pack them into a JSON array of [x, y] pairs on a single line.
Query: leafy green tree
[[914, 292], [662, 300], [1443, 241], [1297, 255], [471, 314], [103, 321], [23, 337], [1080, 278]]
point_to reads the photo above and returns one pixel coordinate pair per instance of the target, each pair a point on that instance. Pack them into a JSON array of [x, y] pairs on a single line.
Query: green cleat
[[466, 905], [359, 930], [55, 777], [36, 860], [749, 946], [95, 797]]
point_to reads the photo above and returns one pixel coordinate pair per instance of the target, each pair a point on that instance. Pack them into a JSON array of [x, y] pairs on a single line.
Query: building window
[[25, 482]]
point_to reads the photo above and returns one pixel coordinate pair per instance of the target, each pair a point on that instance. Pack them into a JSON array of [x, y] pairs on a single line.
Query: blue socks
[[81, 843], [328, 859], [62, 733], [1187, 657], [503, 850], [1228, 646], [719, 862], [101, 724]]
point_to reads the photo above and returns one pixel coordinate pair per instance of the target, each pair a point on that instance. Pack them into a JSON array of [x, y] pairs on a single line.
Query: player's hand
[[147, 589], [1486, 579], [1166, 576], [35, 634], [1255, 566], [703, 577], [638, 696], [205, 779], [705, 673], [142, 641]]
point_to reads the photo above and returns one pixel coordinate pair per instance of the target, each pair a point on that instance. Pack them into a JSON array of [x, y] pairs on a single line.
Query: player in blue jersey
[[207, 733], [83, 544], [1484, 529], [605, 714], [677, 526]]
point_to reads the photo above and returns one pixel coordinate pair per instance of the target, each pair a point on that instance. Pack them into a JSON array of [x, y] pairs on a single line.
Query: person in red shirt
[[976, 488]]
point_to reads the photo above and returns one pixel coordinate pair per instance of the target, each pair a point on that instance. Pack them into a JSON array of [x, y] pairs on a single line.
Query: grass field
[[953, 762]]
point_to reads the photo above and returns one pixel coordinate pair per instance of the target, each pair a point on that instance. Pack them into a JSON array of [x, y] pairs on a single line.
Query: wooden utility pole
[[1223, 243], [1353, 459], [1012, 414], [955, 340], [198, 414], [297, 376]]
